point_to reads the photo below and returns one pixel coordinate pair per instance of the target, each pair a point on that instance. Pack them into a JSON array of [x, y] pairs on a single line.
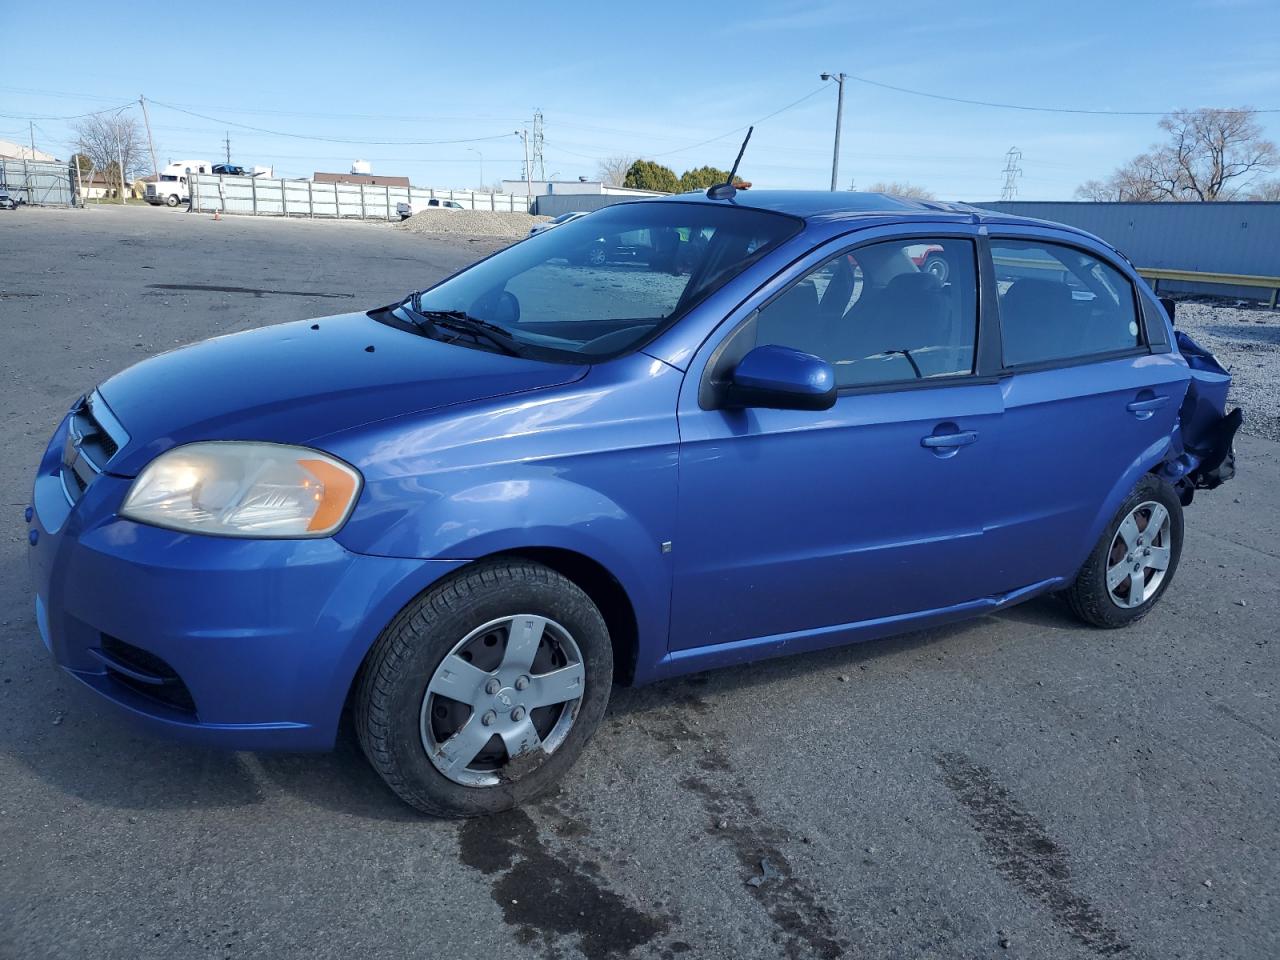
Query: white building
[[16, 151], [580, 187]]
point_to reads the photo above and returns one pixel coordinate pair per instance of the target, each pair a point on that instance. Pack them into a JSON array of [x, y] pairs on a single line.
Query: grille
[[93, 438], [168, 687]]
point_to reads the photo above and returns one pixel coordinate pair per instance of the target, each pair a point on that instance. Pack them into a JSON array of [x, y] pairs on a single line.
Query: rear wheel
[[482, 693], [939, 267], [1133, 562]]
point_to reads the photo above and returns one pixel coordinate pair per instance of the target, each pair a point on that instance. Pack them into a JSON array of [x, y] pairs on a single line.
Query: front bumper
[[245, 644]]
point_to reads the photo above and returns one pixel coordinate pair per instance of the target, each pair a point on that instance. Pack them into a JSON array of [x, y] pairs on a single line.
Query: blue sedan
[[761, 427]]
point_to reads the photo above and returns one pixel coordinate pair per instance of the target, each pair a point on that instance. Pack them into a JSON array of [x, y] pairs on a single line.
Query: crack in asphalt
[[805, 925], [258, 292], [1025, 854]]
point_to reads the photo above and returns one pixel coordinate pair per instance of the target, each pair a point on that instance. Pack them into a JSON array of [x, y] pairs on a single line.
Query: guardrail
[[1156, 274]]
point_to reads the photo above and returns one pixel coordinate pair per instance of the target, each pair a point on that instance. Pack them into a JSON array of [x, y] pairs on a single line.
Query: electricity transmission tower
[[537, 145], [1011, 173], [227, 141]]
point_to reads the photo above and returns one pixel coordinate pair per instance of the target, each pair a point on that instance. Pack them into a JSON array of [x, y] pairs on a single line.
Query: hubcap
[[508, 689], [1139, 555]]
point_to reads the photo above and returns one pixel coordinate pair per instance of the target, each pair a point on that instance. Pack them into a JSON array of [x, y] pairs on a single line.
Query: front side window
[[884, 312], [1061, 303], [600, 285]]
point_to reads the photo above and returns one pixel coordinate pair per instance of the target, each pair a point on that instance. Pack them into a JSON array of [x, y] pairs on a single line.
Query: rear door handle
[[1144, 408], [961, 439]]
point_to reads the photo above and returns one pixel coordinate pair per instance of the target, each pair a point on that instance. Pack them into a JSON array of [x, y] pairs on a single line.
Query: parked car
[[555, 222], [229, 170], [468, 514], [7, 202], [407, 208]]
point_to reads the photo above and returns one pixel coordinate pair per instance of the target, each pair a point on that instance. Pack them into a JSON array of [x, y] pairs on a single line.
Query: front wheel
[[1133, 562], [482, 693], [171, 200]]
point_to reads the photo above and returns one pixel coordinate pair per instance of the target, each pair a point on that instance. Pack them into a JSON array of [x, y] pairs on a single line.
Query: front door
[[794, 521]]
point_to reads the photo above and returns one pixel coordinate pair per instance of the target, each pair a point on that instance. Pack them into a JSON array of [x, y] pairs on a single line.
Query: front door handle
[[1143, 409], [961, 439]]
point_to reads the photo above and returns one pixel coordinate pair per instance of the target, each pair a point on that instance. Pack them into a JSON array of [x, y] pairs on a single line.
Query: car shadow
[[81, 747]]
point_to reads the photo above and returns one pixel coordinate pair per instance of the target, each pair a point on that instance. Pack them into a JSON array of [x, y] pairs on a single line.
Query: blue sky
[[655, 79]]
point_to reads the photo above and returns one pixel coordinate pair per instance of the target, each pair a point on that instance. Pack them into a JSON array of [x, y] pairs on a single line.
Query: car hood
[[295, 382]]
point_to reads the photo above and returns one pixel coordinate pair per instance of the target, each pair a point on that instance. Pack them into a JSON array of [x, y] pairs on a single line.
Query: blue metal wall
[[1234, 237], [554, 204]]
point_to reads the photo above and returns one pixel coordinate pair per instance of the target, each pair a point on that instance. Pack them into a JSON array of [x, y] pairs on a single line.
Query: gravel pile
[[472, 223], [1246, 340]]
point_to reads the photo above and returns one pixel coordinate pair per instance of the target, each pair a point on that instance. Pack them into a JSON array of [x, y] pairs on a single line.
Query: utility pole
[[120, 160], [228, 143], [31, 129], [523, 134], [839, 78], [155, 167], [1011, 173]]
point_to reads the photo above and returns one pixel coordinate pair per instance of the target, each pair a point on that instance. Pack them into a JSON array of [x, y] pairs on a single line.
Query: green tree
[[647, 175], [700, 178]]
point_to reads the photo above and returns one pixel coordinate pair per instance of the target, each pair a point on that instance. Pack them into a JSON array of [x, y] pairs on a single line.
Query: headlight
[[239, 489]]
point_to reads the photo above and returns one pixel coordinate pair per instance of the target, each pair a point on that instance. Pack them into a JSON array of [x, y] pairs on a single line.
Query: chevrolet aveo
[[758, 425]]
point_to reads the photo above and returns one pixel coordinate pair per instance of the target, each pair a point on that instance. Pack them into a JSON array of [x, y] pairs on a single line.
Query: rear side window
[[882, 313], [1060, 303]]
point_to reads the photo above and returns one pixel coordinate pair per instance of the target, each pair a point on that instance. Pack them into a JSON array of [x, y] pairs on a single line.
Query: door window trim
[[1142, 349], [987, 357]]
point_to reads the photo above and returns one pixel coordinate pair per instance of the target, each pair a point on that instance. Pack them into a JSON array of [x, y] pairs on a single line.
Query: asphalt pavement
[[1014, 786]]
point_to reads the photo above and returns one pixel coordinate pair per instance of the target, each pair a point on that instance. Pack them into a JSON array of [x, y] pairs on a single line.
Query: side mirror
[[782, 379], [1170, 305]]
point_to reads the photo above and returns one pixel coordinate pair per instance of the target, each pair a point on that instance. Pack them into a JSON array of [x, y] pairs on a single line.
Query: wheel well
[[605, 592]]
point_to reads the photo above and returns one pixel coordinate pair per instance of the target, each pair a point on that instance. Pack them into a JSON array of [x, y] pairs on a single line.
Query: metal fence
[[260, 196], [38, 182], [1228, 237]]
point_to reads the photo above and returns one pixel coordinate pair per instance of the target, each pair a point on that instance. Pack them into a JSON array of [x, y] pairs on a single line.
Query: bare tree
[[110, 140], [908, 190], [613, 170], [1267, 190], [1211, 154]]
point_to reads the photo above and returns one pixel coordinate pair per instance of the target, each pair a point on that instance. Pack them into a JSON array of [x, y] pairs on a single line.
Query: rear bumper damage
[[1204, 436]]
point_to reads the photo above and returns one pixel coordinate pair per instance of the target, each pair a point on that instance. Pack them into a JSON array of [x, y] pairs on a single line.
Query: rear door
[[796, 521], [1089, 393]]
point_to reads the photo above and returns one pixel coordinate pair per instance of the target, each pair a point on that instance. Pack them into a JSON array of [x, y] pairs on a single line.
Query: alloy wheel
[[1139, 556], [508, 690]]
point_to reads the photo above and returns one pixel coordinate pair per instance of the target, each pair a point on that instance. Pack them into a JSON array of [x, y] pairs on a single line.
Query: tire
[[171, 200], [597, 256], [939, 267], [1090, 596], [396, 710]]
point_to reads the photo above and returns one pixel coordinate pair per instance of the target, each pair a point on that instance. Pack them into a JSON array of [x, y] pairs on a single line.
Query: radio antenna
[[727, 191]]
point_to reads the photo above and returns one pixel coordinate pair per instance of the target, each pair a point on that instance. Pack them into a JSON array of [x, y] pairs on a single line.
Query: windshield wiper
[[460, 321]]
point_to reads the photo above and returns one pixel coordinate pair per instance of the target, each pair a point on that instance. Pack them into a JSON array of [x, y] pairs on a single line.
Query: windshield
[[602, 284]]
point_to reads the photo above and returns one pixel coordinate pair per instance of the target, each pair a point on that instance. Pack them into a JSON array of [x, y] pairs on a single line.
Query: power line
[[352, 140], [74, 116], [753, 123], [1019, 106]]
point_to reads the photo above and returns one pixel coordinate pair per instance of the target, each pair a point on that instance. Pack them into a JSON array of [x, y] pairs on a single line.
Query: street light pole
[[839, 78], [481, 156]]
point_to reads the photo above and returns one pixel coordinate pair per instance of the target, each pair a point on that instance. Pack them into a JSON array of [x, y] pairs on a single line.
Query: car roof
[[829, 206]]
